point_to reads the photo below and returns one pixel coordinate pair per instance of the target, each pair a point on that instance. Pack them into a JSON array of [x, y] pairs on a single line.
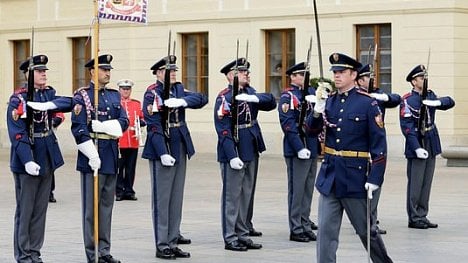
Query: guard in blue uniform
[[239, 161], [107, 128], [300, 154], [385, 101], [33, 158], [167, 155], [354, 162], [420, 151]]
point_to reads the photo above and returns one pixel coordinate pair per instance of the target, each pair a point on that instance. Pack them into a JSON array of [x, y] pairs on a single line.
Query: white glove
[[421, 153], [430, 103], [379, 96], [236, 163], [303, 154], [167, 160], [175, 103], [42, 106], [32, 168], [89, 150], [370, 188], [311, 98], [111, 127], [247, 97], [322, 95]]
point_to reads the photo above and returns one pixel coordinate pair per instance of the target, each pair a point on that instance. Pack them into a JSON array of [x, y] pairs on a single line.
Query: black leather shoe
[[183, 241], [52, 198], [179, 253], [108, 259], [131, 197], [431, 225], [235, 246], [118, 198], [311, 235], [299, 237], [165, 254], [250, 244], [314, 226], [418, 225], [254, 233]]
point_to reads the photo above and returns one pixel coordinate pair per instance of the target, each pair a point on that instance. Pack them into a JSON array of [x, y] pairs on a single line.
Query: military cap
[[125, 83], [364, 71], [298, 68], [39, 62], [419, 70], [103, 62], [161, 64], [242, 65], [341, 62]]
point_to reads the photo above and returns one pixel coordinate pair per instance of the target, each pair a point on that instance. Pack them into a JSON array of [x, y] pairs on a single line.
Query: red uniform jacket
[[129, 138]]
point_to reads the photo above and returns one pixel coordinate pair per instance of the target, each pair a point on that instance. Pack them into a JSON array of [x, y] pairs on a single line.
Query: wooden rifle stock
[[234, 103]]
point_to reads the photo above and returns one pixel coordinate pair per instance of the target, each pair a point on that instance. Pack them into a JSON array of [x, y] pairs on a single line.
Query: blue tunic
[[155, 145], [45, 141], [250, 138], [289, 110], [409, 116], [353, 123], [83, 112]]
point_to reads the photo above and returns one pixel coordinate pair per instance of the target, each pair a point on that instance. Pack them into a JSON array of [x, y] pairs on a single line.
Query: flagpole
[[96, 104]]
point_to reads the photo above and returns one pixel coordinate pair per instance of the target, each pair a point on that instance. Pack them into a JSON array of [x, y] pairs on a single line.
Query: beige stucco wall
[[440, 25]]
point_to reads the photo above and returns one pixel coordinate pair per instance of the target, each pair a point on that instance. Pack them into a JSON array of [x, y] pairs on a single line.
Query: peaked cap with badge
[[39, 63], [340, 62]]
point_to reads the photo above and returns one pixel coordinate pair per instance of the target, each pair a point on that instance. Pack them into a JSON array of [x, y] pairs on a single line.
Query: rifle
[[166, 90], [370, 88], [234, 104], [319, 45], [423, 110], [305, 92], [30, 93], [137, 128]]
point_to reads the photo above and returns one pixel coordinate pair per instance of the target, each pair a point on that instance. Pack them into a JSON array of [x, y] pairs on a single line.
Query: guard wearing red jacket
[[129, 143]]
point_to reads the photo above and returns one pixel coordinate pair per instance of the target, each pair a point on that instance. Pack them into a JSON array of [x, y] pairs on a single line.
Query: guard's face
[[125, 92], [364, 82], [344, 79], [161, 72], [244, 77], [418, 82], [104, 76], [40, 78], [297, 79]]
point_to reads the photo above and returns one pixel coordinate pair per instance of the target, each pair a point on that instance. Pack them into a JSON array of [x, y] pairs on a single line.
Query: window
[[280, 55], [380, 35], [81, 55], [21, 52], [195, 62]]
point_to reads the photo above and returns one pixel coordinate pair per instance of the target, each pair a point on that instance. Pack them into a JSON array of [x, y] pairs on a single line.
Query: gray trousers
[[301, 179], [248, 221], [235, 200], [32, 199], [106, 192], [375, 202], [420, 173], [330, 216], [167, 183]]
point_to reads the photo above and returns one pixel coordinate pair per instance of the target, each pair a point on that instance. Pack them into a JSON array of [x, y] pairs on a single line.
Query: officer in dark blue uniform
[[300, 153], [385, 100], [239, 161], [354, 161], [420, 151], [33, 158], [107, 128], [167, 155]]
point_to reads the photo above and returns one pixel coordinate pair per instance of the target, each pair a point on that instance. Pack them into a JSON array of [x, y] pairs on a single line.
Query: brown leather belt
[[355, 154]]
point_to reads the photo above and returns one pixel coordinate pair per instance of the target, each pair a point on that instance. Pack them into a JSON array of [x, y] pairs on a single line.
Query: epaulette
[[406, 95], [80, 89], [135, 100], [151, 87], [21, 90], [223, 92], [288, 89], [363, 93]]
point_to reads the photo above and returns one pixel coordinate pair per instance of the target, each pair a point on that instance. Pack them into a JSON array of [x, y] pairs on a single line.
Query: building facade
[[274, 34]]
